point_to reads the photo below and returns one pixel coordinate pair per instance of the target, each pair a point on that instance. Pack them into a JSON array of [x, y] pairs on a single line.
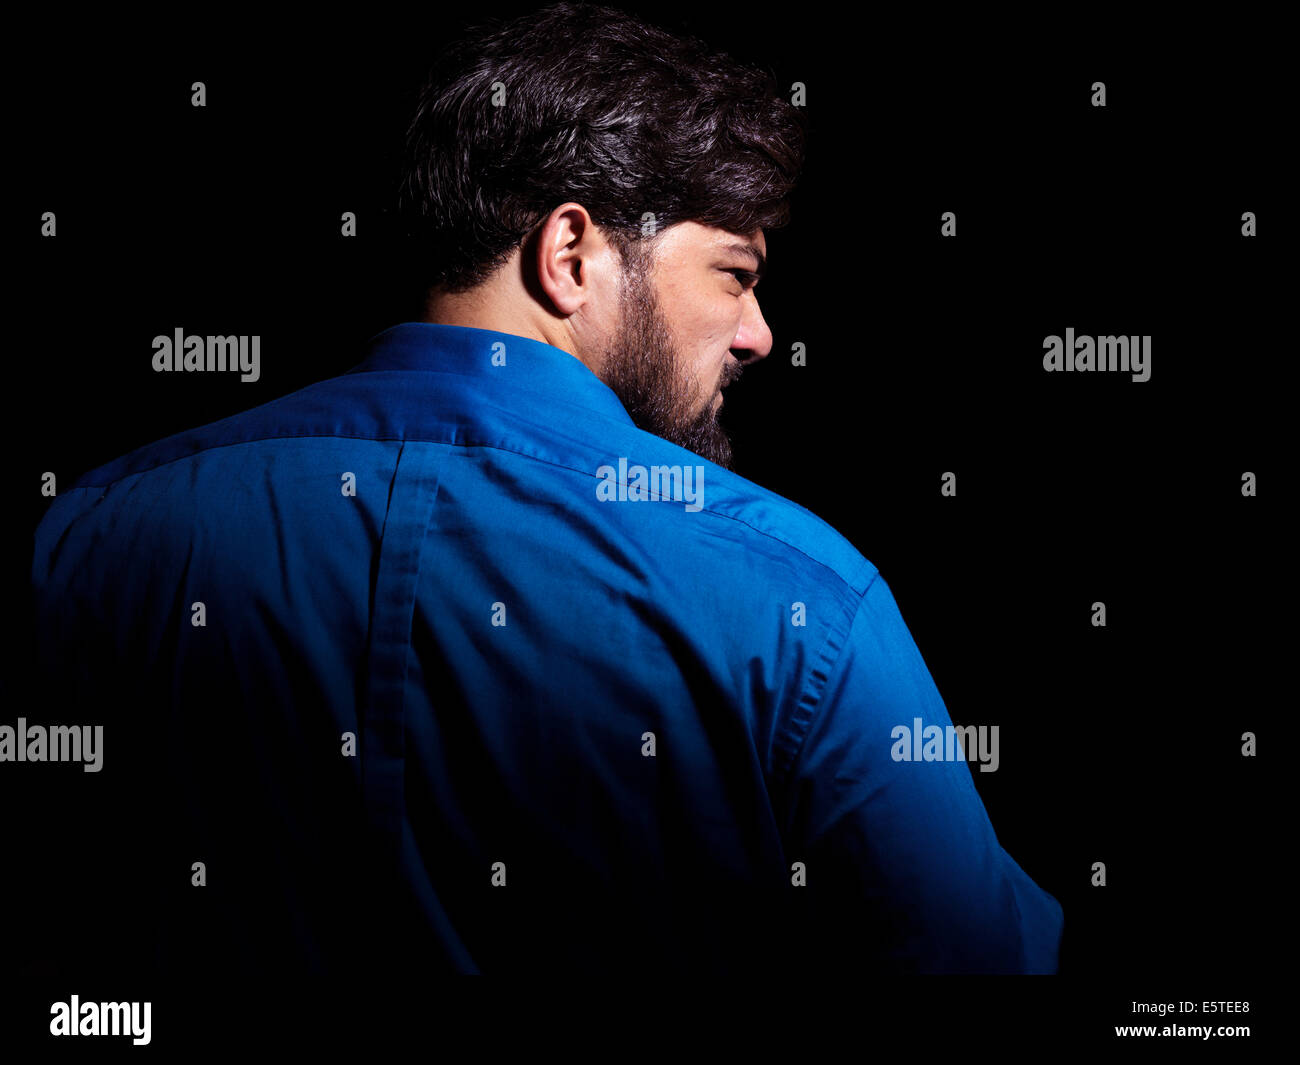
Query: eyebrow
[[749, 249]]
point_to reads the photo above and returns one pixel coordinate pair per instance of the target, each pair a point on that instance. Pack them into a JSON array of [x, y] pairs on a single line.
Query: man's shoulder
[[793, 528], [297, 414], [670, 489], [679, 497]]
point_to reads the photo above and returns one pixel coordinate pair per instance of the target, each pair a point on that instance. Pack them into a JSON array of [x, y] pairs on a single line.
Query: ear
[[571, 255]]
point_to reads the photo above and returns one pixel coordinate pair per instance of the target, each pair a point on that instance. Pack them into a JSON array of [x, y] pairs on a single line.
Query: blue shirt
[[486, 679]]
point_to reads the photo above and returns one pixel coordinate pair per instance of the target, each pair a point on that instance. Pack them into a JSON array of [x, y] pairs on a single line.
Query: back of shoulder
[[777, 532], [683, 509], [702, 502]]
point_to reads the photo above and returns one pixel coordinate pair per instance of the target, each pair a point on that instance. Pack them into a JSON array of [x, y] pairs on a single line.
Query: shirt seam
[[818, 681], [452, 443]]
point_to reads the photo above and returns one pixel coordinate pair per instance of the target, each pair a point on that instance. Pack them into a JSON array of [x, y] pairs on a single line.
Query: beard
[[645, 370]]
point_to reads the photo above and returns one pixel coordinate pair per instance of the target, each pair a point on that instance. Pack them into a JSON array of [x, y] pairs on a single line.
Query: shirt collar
[[470, 352]]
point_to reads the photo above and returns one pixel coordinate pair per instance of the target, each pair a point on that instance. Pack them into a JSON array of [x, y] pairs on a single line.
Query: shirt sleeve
[[903, 869]]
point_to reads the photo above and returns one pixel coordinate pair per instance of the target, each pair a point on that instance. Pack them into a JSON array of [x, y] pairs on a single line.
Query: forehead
[[696, 239]]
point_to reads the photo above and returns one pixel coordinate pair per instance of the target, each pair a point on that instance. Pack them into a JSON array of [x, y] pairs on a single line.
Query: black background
[[924, 355]]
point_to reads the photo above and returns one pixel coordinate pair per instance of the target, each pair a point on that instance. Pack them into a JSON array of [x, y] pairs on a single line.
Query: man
[[478, 658]]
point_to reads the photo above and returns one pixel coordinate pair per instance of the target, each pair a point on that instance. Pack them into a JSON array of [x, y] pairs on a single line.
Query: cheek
[[713, 324], [723, 329], [704, 322], [711, 340]]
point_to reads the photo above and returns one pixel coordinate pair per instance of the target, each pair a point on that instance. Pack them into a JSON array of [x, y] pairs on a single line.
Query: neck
[[484, 308]]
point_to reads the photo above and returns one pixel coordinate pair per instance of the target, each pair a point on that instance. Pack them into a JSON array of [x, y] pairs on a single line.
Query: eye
[[747, 278]]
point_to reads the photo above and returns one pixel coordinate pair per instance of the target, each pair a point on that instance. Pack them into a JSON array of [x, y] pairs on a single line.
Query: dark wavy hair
[[599, 108]]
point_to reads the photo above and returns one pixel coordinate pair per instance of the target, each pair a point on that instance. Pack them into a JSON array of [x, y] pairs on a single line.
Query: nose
[[753, 339]]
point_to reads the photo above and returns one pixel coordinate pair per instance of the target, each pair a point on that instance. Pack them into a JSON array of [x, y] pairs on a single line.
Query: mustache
[[731, 372]]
